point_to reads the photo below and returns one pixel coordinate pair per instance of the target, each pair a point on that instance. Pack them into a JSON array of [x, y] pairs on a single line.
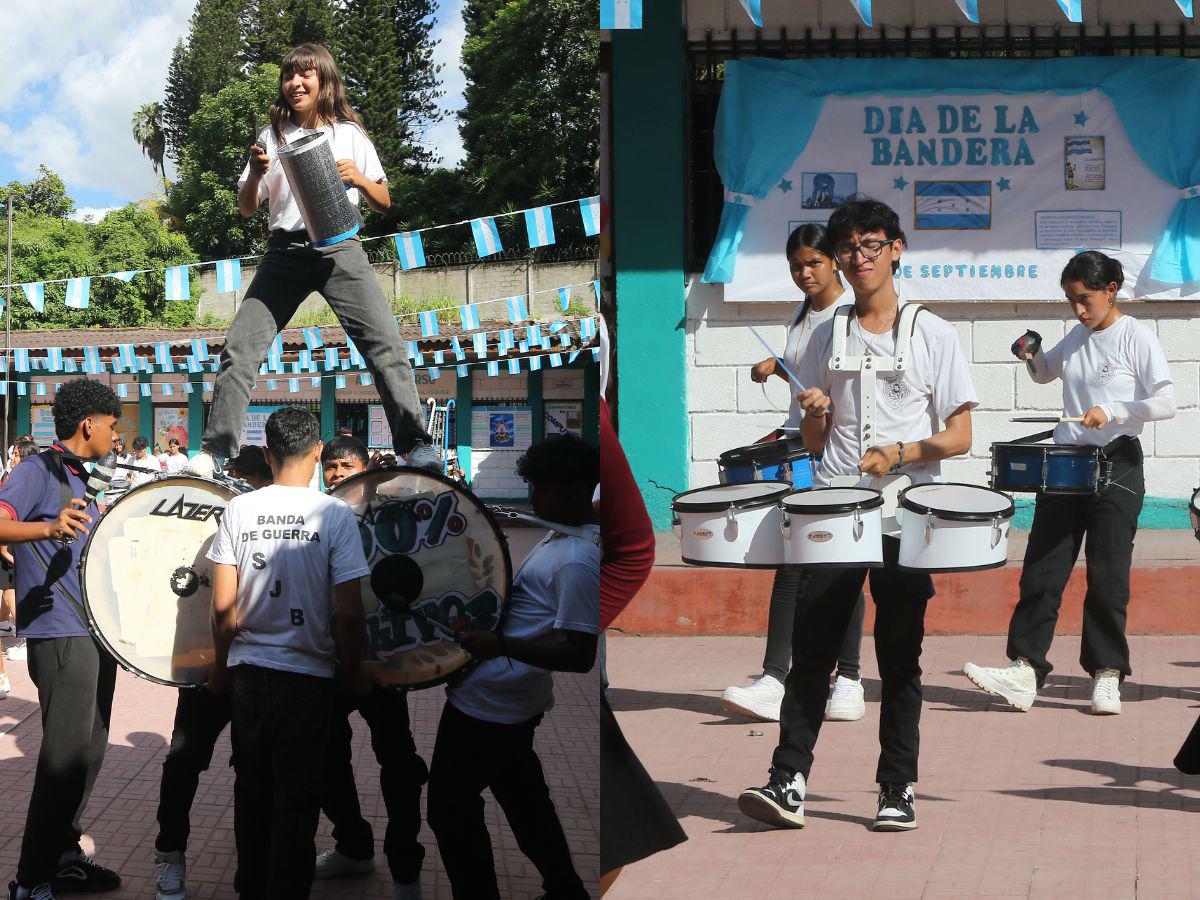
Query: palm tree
[[148, 132]]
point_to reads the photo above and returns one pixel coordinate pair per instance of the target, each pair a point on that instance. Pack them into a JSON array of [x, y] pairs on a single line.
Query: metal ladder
[[437, 420]]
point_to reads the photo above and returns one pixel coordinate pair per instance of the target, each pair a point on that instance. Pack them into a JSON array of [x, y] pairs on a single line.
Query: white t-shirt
[[348, 142], [290, 545], [909, 405], [173, 464], [1112, 369], [800, 333], [556, 589], [152, 467]]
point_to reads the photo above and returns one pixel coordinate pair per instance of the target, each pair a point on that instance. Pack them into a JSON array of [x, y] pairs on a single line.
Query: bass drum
[[147, 581], [439, 565]]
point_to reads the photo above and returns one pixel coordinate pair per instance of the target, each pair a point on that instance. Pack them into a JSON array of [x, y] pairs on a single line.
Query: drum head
[[957, 502], [147, 582], [721, 497], [787, 448], [833, 499], [439, 565]]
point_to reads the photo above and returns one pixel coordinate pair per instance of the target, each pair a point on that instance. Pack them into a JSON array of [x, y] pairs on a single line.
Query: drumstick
[[1048, 419], [782, 364]]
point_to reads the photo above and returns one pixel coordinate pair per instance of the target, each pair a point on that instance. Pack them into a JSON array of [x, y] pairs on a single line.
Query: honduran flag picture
[[487, 238], [589, 208], [178, 284], [411, 250], [539, 226], [229, 276], [620, 14]]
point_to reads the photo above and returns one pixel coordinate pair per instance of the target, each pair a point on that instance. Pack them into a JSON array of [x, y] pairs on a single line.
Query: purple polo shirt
[[34, 494]]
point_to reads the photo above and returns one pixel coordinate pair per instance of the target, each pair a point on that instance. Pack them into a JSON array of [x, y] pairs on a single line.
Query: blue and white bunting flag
[[589, 209], [620, 14], [555, 360], [314, 382], [22, 388], [419, 359], [54, 359], [539, 226], [69, 366], [122, 390], [188, 388], [339, 381], [200, 349], [434, 373], [523, 346], [410, 347], [564, 297], [533, 334], [303, 360], [128, 360], [1073, 9], [166, 389], [970, 9], [78, 292], [514, 366], [178, 283], [312, 337], [487, 238], [331, 359], [587, 329], [493, 368], [456, 346], [275, 354], [193, 365], [429, 323], [272, 384], [1185, 7], [753, 9], [507, 341], [438, 357], [92, 363], [410, 249], [863, 8], [356, 360], [145, 388], [35, 293], [596, 289], [229, 276], [365, 379], [293, 385], [122, 276], [574, 355], [40, 389], [595, 354], [564, 338], [463, 372], [480, 344], [535, 363], [469, 317], [518, 309], [208, 387], [162, 356]]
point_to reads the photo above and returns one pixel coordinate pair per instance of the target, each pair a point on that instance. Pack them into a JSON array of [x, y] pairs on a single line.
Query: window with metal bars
[[706, 74]]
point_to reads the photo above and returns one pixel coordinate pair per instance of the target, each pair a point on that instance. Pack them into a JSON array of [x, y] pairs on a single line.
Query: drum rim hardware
[[753, 454], [782, 489], [950, 515], [802, 506]]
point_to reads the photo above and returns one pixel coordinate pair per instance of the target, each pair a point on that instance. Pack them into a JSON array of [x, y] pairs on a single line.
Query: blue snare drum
[[784, 460], [1049, 468]]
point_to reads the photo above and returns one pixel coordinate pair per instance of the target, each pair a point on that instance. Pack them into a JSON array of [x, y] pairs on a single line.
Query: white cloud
[[444, 138], [91, 213]]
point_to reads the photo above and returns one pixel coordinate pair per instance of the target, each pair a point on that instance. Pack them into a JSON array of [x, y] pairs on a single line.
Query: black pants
[[790, 584], [470, 755], [1105, 525], [401, 774], [75, 680], [820, 625], [200, 717], [280, 738]]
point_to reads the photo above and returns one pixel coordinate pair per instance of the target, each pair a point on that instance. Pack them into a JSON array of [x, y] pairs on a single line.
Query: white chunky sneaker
[[335, 864], [1016, 682], [780, 802], [18, 652], [1106, 695], [847, 702], [758, 701], [170, 870], [423, 456]]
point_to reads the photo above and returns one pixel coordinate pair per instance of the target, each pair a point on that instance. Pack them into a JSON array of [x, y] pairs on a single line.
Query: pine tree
[[273, 27], [180, 102]]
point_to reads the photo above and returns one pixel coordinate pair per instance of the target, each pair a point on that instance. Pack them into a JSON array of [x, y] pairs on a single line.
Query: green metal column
[[649, 231], [195, 412], [591, 404], [328, 406], [462, 419], [146, 411], [537, 406]]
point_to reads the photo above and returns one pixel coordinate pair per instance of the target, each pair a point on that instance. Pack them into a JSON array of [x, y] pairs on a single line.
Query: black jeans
[[470, 755], [401, 774], [790, 584], [1105, 525], [75, 679], [200, 717], [821, 618], [280, 737]]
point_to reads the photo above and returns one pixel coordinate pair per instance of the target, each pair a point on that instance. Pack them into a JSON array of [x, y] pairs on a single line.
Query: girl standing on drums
[[1114, 375], [312, 96], [810, 258]]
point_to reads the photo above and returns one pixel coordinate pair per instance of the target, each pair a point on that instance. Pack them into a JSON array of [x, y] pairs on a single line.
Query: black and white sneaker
[[896, 808], [41, 892], [83, 875], [780, 802]]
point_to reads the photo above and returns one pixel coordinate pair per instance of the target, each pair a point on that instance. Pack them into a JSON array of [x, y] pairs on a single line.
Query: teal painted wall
[[649, 227], [195, 412], [462, 420], [1157, 513]]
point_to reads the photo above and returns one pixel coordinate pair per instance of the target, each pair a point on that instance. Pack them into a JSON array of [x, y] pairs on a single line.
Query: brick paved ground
[[1054, 803], [120, 817]]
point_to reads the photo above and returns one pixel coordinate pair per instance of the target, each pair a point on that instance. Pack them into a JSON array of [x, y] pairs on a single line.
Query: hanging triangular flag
[[518, 309], [35, 293], [863, 8], [564, 338], [208, 387], [178, 284], [419, 359], [596, 289], [574, 356], [429, 323], [487, 238], [539, 226], [122, 276], [459, 353], [469, 316], [1073, 9], [314, 382], [753, 9], [493, 368], [970, 9], [303, 361], [78, 292], [162, 356], [312, 337], [410, 249], [523, 346], [589, 209], [564, 297], [229, 276], [92, 363], [1185, 7], [621, 14], [595, 354]]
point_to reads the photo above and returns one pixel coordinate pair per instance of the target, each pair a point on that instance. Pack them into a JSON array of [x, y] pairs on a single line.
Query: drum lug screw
[[858, 525], [928, 528], [996, 533]]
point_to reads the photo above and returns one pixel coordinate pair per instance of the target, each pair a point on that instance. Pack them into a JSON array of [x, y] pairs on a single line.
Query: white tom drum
[[953, 528], [834, 526], [733, 525]]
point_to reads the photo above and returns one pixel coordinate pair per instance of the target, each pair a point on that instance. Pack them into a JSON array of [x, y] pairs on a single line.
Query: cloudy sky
[[77, 70]]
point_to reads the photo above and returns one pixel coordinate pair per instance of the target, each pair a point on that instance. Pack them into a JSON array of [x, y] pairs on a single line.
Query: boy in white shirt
[[485, 738], [282, 552]]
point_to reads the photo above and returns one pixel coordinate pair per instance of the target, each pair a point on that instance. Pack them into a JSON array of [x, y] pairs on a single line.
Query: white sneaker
[[335, 864], [1016, 682], [758, 701], [5, 686], [423, 456], [17, 652], [847, 703], [203, 464], [1106, 695], [170, 870]]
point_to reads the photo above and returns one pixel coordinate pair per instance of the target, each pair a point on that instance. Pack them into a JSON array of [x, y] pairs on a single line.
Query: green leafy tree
[[46, 196], [148, 131], [530, 126], [270, 28]]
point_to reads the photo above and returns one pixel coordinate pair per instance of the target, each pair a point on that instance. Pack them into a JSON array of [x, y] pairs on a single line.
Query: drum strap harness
[[867, 365]]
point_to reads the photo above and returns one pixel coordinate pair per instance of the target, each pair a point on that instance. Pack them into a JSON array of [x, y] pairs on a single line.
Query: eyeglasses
[[869, 250]]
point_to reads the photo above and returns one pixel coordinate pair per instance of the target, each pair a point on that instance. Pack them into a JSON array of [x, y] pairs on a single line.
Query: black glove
[[1028, 343]]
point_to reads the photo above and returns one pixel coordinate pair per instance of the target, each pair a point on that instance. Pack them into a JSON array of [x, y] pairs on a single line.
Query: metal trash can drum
[[312, 173]]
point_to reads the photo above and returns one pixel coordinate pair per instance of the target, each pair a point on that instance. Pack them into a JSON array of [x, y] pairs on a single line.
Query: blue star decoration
[[785, 185], [900, 184], [1003, 184], [1081, 118]]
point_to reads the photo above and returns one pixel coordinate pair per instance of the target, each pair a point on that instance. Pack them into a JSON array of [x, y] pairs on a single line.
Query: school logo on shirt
[[1105, 372], [894, 391]]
